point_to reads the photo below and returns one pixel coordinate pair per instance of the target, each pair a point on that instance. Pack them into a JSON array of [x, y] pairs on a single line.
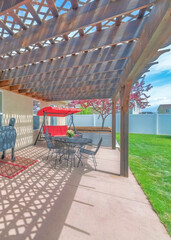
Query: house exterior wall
[[21, 108]]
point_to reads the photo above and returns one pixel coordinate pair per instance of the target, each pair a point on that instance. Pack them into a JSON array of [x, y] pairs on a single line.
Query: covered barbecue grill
[[7, 138]]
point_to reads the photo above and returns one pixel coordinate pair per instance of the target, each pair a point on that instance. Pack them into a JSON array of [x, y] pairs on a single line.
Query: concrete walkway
[[44, 203]]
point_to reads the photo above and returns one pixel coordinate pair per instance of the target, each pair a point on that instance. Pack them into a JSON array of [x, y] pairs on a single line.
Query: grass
[[150, 162]]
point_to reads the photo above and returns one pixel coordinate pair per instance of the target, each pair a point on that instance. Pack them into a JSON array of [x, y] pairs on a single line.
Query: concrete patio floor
[[44, 203]]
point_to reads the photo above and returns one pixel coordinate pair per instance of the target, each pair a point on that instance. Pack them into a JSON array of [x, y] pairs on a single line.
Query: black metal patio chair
[[90, 153], [69, 153], [57, 147]]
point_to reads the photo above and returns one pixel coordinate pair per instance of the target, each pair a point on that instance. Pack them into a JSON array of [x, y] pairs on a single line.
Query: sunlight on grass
[[150, 162]]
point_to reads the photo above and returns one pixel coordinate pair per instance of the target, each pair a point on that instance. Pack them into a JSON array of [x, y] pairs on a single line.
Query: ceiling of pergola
[[64, 50]]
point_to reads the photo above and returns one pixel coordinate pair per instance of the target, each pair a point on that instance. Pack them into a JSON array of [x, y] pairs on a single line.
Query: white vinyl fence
[[138, 123]]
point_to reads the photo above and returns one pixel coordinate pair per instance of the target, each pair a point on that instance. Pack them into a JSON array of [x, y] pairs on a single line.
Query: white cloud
[[163, 65], [160, 95]]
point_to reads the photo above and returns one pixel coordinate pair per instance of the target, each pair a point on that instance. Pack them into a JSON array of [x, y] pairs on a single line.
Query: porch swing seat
[[56, 130]]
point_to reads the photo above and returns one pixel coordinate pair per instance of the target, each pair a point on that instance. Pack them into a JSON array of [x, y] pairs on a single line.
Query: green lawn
[[150, 162]]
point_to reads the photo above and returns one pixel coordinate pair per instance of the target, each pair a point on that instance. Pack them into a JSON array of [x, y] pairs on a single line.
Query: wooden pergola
[[81, 49]]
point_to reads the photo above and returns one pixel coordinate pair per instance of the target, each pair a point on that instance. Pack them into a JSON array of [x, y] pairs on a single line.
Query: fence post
[[157, 124], [94, 120], [113, 124]]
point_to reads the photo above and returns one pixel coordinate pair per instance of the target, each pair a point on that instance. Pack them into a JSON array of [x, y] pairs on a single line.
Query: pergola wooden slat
[[81, 69], [5, 5], [89, 14], [52, 7], [114, 35], [29, 82], [94, 49], [33, 12], [114, 53]]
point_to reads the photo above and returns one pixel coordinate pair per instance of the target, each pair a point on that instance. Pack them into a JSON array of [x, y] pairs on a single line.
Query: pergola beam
[[5, 83], [74, 4], [63, 87], [33, 12], [52, 7], [81, 90], [114, 53], [114, 35], [105, 93], [90, 14], [67, 84], [79, 71], [4, 26], [39, 79], [17, 20], [6, 6], [154, 35]]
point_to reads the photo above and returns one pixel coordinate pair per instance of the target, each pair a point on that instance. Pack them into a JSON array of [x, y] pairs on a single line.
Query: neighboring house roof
[[164, 107]]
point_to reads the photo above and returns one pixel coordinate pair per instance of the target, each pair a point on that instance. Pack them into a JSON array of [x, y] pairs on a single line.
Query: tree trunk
[[103, 121]]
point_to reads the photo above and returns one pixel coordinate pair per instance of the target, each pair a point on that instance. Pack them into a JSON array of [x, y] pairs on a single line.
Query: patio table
[[71, 144], [73, 140]]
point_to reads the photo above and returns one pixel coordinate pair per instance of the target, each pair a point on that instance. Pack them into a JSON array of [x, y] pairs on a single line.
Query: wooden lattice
[[59, 49]]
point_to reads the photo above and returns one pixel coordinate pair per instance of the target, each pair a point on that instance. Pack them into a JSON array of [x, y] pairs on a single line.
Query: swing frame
[[56, 112]]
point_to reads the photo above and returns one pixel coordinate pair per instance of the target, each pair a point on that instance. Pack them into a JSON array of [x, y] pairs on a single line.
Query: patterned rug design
[[10, 169]]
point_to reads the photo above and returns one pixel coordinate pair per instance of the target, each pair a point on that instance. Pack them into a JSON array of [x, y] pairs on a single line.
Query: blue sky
[[160, 78]]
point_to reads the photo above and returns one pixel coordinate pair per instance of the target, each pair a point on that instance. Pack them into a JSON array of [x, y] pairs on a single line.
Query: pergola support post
[[124, 98], [113, 124]]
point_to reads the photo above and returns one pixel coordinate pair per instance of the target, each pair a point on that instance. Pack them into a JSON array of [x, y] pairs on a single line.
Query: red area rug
[[10, 169]]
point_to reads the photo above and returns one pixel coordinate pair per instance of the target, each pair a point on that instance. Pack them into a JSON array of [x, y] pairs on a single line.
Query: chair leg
[[71, 163], [67, 158], [94, 161], [60, 158], [3, 155], [12, 155], [48, 154], [79, 161], [55, 162], [74, 161], [52, 153], [56, 159]]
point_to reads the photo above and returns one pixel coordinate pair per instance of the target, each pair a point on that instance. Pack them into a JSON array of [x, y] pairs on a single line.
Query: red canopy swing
[[56, 112]]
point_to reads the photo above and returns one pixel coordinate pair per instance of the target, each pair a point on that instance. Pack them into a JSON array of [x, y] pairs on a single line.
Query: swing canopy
[[57, 112]]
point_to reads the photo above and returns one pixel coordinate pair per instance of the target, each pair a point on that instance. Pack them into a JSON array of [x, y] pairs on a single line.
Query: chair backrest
[[12, 122], [48, 141], [98, 146]]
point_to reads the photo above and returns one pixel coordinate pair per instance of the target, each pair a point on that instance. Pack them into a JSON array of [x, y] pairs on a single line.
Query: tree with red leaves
[[104, 106]]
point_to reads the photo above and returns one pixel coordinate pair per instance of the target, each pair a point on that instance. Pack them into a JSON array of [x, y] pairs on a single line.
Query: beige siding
[[21, 108]]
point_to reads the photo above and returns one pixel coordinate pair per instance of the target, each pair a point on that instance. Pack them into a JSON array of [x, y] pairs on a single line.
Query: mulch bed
[[10, 169]]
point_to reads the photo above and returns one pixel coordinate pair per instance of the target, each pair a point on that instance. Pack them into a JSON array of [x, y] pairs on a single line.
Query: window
[[36, 119], [168, 110], [1, 109]]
